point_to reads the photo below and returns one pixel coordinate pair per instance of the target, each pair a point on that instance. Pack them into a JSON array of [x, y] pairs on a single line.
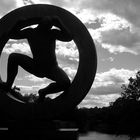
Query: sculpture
[[43, 64], [87, 64]]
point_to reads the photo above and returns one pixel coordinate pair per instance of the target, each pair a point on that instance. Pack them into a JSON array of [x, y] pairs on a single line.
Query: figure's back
[[42, 44]]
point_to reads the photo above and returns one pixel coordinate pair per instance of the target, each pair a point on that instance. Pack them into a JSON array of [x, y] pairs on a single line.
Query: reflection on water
[[100, 136]]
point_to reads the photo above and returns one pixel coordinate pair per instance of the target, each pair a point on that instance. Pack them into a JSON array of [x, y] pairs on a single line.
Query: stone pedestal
[[38, 130], [42, 134]]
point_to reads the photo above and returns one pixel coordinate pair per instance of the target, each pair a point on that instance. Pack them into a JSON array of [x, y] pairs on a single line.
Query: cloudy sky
[[115, 28]]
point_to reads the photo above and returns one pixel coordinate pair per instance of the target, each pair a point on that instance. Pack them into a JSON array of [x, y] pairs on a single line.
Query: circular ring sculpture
[[87, 60]]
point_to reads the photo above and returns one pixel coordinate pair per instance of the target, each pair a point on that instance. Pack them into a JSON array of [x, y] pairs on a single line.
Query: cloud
[[119, 49], [20, 3], [34, 79], [114, 25], [112, 21], [92, 101], [25, 89], [96, 35], [67, 56], [6, 6], [67, 49], [86, 16], [117, 22], [17, 47], [111, 59], [107, 87], [122, 40], [109, 21], [113, 76], [110, 82], [71, 72], [62, 3], [128, 9], [27, 2], [116, 35]]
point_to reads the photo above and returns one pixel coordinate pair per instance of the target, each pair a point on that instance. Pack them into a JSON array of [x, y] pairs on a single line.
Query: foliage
[[122, 116], [132, 90]]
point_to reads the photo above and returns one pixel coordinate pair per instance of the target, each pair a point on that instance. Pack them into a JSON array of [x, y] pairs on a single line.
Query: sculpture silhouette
[[43, 64], [87, 65]]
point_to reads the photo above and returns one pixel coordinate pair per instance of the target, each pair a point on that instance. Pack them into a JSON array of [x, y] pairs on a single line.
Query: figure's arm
[[18, 33], [63, 34]]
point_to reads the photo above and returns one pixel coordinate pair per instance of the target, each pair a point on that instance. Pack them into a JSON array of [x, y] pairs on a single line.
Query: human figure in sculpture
[[42, 41]]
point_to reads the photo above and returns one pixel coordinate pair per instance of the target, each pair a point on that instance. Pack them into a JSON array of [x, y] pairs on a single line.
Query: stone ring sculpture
[[87, 61]]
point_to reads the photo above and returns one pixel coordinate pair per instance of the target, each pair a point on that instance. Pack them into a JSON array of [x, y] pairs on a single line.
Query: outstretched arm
[[18, 33], [63, 34]]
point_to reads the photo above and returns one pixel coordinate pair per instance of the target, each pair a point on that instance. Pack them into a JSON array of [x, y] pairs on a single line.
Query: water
[[100, 136]]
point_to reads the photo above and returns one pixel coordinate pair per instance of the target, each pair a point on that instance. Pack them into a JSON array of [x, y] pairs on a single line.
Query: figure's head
[[45, 23]]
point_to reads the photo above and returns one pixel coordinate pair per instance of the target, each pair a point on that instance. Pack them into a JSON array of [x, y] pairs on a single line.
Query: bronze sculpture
[[87, 54]]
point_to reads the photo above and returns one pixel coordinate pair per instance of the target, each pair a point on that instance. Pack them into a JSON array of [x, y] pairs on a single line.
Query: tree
[[132, 90]]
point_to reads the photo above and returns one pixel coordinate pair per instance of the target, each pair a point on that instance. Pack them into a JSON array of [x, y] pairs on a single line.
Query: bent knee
[[65, 84], [13, 57]]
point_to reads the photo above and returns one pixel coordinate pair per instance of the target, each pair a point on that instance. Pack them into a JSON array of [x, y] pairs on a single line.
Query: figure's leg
[[62, 83], [12, 69], [14, 61]]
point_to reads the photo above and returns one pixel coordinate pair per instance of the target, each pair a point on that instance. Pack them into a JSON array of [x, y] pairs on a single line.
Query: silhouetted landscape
[[121, 117], [59, 42]]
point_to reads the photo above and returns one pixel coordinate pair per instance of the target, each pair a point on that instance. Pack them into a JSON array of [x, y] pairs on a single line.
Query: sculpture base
[[43, 135], [39, 131]]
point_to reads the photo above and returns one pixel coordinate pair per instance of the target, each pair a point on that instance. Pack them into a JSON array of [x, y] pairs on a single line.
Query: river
[[100, 136]]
